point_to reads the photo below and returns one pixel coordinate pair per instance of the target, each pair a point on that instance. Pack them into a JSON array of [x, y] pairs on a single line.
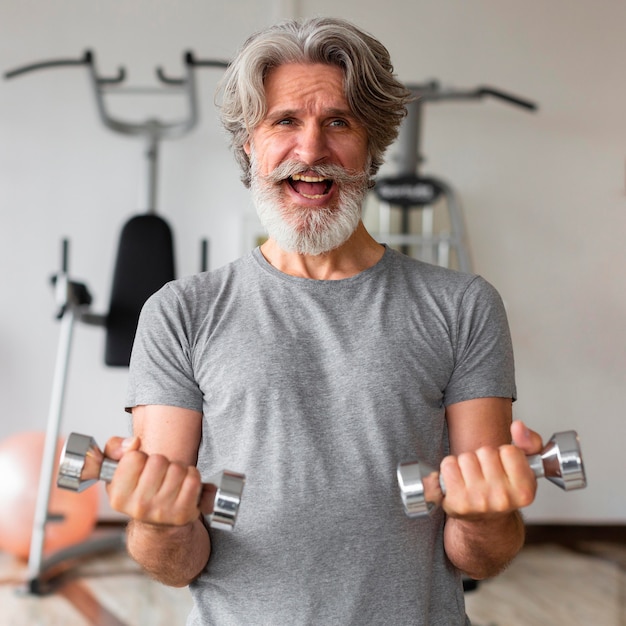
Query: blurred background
[[543, 194]]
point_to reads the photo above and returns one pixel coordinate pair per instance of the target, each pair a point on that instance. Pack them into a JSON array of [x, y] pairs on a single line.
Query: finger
[[500, 467], [464, 482], [512, 483], [153, 476], [521, 478], [183, 485], [486, 481], [176, 501], [207, 498], [527, 440], [451, 474], [483, 487], [190, 494], [122, 488]]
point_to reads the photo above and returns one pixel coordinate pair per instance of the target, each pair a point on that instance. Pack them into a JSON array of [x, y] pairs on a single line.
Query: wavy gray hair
[[374, 94]]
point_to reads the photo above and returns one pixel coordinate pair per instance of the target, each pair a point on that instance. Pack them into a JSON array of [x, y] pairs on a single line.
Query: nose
[[311, 144]]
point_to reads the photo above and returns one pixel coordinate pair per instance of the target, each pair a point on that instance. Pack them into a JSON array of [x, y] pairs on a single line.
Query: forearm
[[483, 548], [173, 555]]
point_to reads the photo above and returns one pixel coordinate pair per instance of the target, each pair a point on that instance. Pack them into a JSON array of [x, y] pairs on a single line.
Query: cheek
[[272, 149], [352, 154], [268, 160]]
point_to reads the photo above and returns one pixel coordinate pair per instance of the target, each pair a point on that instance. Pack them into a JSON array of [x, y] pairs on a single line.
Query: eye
[[338, 123]]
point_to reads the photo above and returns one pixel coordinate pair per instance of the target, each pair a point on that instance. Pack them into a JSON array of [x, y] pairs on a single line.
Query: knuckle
[[484, 451], [176, 472], [157, 463], [511, 454], [501, 502], [466, 460], [525, 495], [194, 478], [115, 501], [482, 503], [139, 510], [465, 457], [133, 461]]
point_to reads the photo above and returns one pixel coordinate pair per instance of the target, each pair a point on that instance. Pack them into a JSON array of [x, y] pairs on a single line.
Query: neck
[[359, 253]]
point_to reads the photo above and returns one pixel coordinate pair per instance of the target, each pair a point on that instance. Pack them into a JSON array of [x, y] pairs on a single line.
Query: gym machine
[[144, 263], [409, 190]]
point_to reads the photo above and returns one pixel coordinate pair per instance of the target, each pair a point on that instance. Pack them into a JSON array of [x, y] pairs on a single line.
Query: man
[[314, 365]]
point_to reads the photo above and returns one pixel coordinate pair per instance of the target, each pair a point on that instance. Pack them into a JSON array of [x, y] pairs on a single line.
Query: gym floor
[[583, 585]]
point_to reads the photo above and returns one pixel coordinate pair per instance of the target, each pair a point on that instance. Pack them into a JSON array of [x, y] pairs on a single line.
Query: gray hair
[[374, 94]]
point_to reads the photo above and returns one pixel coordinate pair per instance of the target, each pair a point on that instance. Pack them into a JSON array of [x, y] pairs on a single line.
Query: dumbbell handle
[[422, 487], [83, 464]]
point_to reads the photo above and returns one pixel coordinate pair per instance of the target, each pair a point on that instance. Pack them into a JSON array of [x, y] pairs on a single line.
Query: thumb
[[116, 446], [525, 439]]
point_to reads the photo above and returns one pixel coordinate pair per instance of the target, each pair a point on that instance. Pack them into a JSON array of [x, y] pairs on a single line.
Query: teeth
[[308, 179]]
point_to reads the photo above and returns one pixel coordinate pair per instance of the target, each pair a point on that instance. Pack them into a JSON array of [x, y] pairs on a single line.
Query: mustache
[[330, 171]]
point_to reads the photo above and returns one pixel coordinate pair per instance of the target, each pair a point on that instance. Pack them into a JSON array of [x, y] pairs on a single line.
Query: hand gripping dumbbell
[[83, 464], [422, 487]]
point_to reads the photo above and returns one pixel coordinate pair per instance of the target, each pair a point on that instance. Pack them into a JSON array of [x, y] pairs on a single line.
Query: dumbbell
[[83, 464], [422, 487]]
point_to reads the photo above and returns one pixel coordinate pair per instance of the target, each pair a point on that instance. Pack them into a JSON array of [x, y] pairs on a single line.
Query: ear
[[246, 147]]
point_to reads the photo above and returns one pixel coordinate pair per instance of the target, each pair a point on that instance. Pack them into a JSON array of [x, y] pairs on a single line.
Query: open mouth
[[311, 187]]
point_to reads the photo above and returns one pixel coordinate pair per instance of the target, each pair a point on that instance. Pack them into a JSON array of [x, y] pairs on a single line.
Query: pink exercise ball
[[20, 465]]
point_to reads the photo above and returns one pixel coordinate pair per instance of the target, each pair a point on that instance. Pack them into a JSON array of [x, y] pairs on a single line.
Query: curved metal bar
[[167, 80], [87, 59], [191, 60], [432, 91], [507, 97], [44, 65]]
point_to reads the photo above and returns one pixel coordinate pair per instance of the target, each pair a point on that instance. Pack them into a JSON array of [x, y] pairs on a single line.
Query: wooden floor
[[547, 584], [550, 584]]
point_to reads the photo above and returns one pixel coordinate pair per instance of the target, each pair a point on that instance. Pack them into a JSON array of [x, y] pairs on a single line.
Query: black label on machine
[[408, 190]]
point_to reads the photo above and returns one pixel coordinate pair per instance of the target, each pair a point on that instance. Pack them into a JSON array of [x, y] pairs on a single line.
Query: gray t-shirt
[[316, 390]]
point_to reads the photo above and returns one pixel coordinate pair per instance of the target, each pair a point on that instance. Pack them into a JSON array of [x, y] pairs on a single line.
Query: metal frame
[[73, 299], [434, 247]]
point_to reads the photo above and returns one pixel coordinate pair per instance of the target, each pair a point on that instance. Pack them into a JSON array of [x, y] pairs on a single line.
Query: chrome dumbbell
[[83, 464], [422, 487]]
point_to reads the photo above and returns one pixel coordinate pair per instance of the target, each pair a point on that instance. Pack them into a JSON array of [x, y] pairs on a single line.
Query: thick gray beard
[[305, 230]]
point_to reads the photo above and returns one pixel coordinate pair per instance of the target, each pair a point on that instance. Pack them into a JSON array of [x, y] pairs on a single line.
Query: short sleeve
[[160, 367], [484, 364]]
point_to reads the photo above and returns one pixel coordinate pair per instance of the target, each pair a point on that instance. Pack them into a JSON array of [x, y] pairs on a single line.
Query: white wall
[[544, 199], [62, 174], [543, 194]]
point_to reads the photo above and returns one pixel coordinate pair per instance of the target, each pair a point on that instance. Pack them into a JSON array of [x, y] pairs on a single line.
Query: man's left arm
[[487, 480]]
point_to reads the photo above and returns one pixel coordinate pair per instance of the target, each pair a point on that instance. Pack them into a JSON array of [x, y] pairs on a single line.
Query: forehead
[[305, 86]]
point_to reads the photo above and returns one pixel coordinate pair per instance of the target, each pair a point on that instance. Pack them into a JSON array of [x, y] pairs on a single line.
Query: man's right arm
[[158, 486]]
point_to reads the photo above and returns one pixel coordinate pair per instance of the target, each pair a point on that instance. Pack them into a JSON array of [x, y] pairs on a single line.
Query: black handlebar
[[190, 61], [151, 128], [432, 91], [428, 91], [489, 91], [43, 65], [88, 59]]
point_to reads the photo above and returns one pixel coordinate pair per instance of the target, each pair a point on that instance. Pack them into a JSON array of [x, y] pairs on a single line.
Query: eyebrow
[[331, 112]]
